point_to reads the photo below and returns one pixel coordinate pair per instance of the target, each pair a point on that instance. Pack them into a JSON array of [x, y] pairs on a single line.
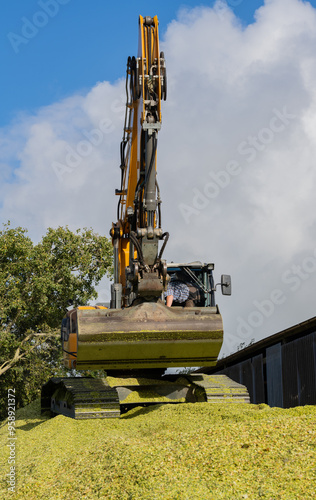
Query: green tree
[[37, 283]]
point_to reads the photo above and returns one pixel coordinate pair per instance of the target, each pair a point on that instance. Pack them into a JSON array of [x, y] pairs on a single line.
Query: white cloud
[[68, 155], [228, 88]]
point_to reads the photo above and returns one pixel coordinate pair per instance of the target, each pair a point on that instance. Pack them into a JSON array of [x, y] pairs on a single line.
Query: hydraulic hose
[[166, 236], [135, 241]]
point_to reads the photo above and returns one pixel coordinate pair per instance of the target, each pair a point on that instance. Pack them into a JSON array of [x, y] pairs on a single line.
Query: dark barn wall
[[280, 374], [274, 375]]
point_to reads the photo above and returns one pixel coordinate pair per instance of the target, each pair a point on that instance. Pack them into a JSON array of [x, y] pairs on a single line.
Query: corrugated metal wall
[[274, 375], [283, 375]]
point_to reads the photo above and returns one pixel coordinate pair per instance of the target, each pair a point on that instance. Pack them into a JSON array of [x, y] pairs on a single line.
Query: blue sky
[[82, 42], [237, 148]]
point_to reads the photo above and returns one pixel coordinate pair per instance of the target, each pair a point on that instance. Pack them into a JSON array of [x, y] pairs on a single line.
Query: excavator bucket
[[148, 335]]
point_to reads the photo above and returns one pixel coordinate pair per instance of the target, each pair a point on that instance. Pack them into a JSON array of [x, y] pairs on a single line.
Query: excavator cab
[[199, 278]]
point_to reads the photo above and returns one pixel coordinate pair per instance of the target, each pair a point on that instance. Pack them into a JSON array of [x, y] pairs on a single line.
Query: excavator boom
[[138, 267]]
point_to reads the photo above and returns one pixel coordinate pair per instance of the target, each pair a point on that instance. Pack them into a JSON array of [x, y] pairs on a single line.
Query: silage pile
[[187, 451]]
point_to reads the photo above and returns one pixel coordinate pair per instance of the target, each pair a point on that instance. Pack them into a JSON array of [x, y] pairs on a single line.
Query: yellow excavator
[[138, 337]]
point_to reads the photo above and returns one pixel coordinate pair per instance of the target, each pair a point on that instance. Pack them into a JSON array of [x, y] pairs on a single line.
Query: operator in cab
[[181, 292]]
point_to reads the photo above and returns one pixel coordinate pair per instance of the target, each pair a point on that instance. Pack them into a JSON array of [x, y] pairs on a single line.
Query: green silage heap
[[186, 451]]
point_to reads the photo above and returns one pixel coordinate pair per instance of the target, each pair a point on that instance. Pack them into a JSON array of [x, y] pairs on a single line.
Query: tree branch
[[18, 355]]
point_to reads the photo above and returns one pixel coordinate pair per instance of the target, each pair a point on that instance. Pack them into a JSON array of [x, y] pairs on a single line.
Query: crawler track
[[86, 398], [80, 398]]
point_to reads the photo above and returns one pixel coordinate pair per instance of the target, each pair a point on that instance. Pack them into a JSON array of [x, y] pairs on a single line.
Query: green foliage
[[39, 361], [37, 282]]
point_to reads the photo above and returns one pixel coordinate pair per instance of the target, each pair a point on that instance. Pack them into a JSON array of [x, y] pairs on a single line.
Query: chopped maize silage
[[185, 451]]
